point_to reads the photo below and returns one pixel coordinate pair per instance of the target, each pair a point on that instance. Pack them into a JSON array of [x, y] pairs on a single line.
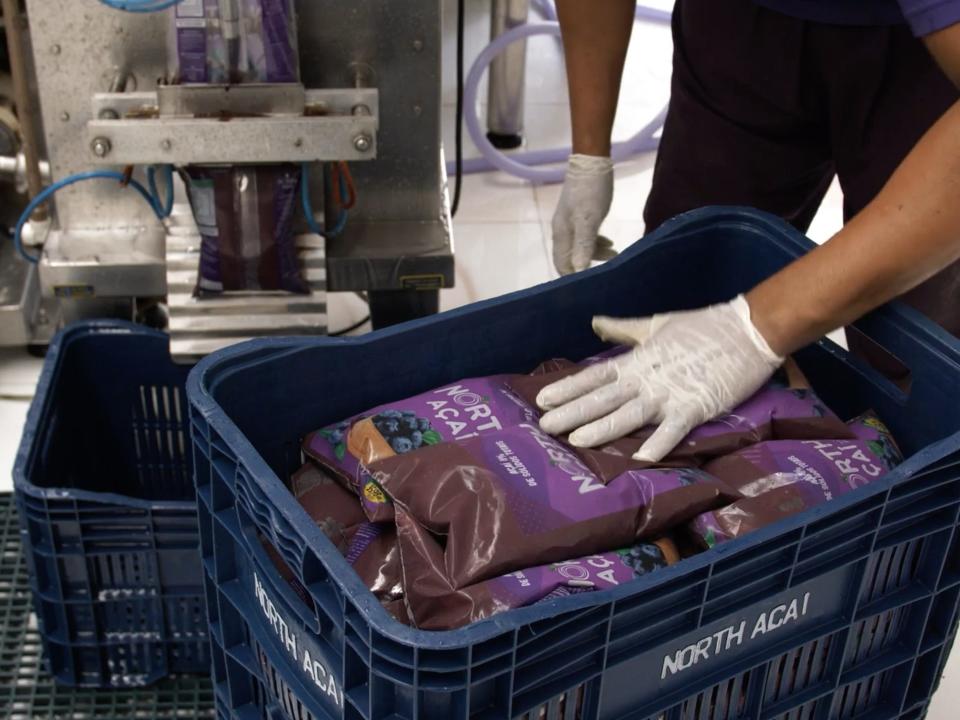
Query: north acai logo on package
[[305, 655]]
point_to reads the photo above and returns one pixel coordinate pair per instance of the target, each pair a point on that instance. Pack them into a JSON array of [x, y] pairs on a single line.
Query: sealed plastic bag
[[457, 411], [435, 604], [518, 498], [245, 216], [270, 31], [781, 478], [775, 412], [234, 41], [370, 548]]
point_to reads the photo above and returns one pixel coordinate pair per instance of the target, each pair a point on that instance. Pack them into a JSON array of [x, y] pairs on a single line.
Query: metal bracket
[[186, 125], [231, 100], [104, 263]]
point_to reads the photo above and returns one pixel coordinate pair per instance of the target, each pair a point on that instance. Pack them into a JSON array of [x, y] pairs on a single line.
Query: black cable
[[348, 330], [356, 326], [461, 20]]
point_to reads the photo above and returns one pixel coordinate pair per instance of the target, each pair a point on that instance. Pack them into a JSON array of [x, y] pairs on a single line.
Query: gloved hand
[[584, 203], [685, 369]]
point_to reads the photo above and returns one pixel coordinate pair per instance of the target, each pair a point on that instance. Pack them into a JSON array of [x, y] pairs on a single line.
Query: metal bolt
[[54, 49], [109, 114], [118, 83], [101, 147], [362, 143], [167, 145], [417, 111], [360, 110], [417, 45], [65, 116], [298, 142]]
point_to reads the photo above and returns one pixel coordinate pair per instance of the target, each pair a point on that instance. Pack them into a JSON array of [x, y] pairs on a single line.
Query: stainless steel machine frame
[[371, 83]]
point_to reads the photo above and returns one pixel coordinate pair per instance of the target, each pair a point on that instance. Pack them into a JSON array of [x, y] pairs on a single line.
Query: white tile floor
[[503, 227]]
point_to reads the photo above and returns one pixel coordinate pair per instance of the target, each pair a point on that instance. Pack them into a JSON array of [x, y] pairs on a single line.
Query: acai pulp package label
[[518, 498], [435, 604], [237, 41], [778, 479], [455, 412], [773, 413]]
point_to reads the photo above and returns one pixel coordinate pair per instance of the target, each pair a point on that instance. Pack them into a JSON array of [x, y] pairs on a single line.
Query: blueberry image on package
[[388, 425], [401, 445], [643, 558]]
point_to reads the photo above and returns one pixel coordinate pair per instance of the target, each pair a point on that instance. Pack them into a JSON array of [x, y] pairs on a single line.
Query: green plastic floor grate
[[28, 693]]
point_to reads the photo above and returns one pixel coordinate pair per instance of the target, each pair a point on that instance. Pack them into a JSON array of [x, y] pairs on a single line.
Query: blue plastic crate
[[847, 610], [104, 491]]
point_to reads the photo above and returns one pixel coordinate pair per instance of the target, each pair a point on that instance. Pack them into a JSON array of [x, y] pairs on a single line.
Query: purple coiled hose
[[525, 164]]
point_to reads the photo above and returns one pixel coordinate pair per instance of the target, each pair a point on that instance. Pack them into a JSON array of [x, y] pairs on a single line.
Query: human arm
[[595, 40], [944, 45], [687, 368], [909, 232]]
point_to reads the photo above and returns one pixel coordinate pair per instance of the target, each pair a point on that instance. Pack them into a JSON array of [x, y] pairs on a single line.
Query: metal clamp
[[185, 125]]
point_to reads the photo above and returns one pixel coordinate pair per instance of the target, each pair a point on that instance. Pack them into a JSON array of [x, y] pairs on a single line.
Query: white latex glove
[[584, 203], [686, 368]]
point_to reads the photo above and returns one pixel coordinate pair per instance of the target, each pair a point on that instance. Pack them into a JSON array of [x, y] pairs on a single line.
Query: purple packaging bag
[[435, 604], [370, 548], [244, 41], [778, 479], [245, 218], [199, 51], [454, 412], [518, 498], [775, 412], [271, 41]]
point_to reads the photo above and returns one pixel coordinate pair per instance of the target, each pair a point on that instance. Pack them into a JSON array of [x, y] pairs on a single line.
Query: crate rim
[[203, 380], [40, 406]]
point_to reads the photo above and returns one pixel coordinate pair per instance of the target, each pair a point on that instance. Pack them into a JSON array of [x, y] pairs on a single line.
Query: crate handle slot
[[294, 604], [269, 660], [891, 370]]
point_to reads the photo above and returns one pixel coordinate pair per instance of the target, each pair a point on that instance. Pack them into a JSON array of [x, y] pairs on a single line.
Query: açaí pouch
[[775, 412], [518, 498], [435, 604], [454, 412], [245, 217], [370, 548], [778, 479], [233, 42]]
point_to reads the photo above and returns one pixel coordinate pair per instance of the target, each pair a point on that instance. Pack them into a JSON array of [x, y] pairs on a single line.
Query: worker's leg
[[745, 122], [884, 97]]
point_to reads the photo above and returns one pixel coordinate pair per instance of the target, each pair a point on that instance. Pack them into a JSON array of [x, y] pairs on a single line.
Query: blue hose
[[312, 223], [162, 211], [155, 193], [140, 6]]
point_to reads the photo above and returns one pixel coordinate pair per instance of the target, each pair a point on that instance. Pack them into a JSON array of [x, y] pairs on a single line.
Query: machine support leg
[[507, 77]]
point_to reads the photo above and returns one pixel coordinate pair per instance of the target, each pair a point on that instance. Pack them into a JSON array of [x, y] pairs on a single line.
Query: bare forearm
[[943, 46], [909, 232], [595, 40]]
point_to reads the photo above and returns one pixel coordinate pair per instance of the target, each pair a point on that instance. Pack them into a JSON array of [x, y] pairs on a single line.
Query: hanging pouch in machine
[[234, 41], [245, 218]]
